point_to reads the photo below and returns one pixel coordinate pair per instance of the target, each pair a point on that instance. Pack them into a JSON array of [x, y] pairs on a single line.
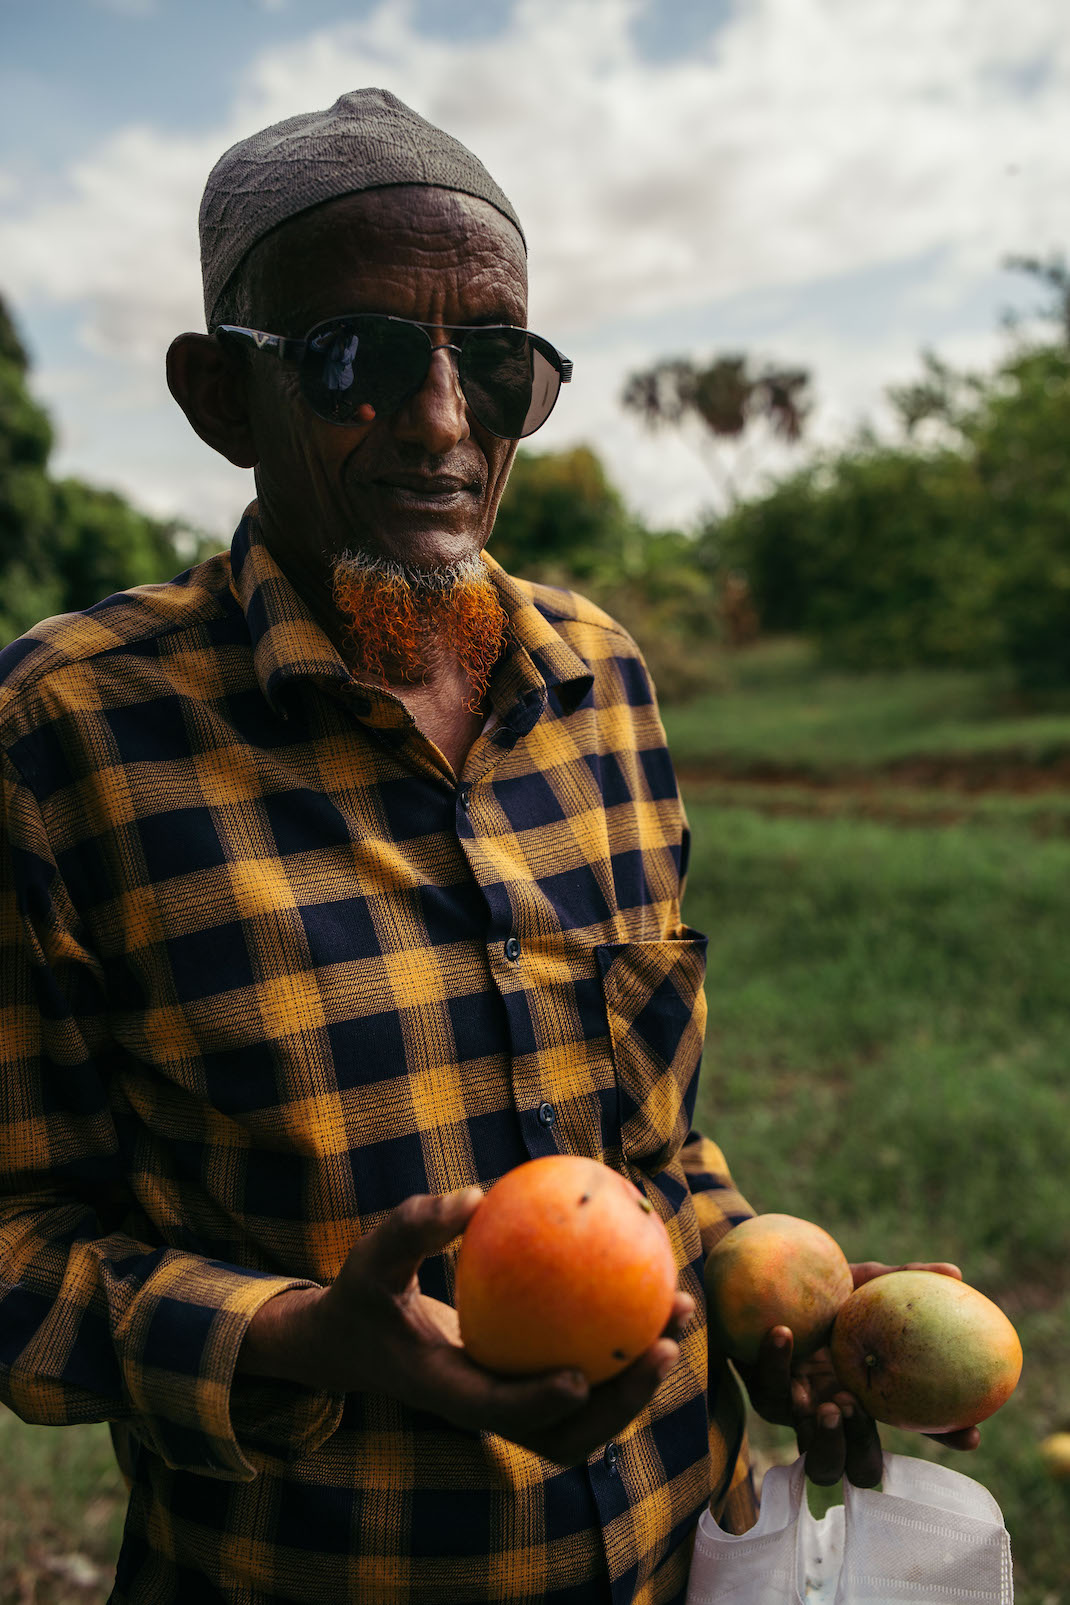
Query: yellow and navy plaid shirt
[[266, 969]]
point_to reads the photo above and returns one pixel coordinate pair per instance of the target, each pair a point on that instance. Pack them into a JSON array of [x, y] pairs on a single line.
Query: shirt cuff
[[179, 1351]]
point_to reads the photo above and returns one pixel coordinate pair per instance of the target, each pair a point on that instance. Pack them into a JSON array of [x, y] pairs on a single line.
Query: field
[[883, 867], [890, 1010]]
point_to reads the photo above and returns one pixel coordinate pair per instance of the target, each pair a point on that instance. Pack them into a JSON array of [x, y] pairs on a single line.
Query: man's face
[[421, 485]]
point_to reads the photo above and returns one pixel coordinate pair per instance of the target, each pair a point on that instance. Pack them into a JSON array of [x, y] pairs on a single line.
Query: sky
[[831, 184]]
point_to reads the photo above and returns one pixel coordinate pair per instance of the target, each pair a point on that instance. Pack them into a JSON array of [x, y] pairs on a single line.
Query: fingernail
[[847, 1411], [780, 1340], [829, 1419]]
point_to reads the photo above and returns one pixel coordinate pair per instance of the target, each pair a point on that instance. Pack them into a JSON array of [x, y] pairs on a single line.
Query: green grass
[[887, 1050], [62, 1504], [775, 704]]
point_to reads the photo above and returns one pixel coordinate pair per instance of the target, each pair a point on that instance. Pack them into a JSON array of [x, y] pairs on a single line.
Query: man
[[340, 876]]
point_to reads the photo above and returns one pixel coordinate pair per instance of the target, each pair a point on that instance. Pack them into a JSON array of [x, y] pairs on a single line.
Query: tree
[[25, 444], [64, 544], [720, 403], [560, 519], [954, 554], [1018, 441], [1054, 274]]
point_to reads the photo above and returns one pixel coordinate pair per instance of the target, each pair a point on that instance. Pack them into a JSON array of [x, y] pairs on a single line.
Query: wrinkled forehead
[[361, 251]]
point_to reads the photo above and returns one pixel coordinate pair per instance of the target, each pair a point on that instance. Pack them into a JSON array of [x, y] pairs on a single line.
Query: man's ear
[[208, 386]]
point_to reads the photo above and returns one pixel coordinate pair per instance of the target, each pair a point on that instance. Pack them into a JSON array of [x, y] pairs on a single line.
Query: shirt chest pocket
[[656, 1011]]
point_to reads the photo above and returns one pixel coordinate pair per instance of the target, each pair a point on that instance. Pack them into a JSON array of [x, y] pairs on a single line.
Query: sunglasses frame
[[288, 349]]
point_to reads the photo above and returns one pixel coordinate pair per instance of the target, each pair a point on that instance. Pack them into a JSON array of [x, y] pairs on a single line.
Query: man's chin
[[399, 616]]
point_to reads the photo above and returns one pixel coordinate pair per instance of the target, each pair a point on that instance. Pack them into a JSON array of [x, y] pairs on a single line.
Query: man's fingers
[[964, 1438], [771, 1383], [470, 1396], [864, 1458], [824, 1443], [557, 1414], [606, 1410], [611, 1406], [839, 1439], [775, 1357], [683, 1309], [422, 1225], [868, 1269], [941, 1267]]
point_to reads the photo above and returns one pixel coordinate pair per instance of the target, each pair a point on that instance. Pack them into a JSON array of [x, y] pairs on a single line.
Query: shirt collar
[[537, 661], [288, 643]]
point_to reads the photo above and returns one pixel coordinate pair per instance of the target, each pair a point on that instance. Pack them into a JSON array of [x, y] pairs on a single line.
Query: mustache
[[430, 580]]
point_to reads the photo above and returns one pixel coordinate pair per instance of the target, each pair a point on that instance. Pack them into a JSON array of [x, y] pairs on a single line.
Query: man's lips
[[428, 487]]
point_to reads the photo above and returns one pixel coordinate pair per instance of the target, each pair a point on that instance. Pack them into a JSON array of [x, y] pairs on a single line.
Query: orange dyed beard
[[397, 623]]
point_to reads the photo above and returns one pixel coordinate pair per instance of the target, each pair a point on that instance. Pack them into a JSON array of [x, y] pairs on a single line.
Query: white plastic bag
[[932, 1537]]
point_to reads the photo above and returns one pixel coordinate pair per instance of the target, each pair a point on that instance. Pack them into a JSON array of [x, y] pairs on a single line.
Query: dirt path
[[1004, 772], [916, 791]]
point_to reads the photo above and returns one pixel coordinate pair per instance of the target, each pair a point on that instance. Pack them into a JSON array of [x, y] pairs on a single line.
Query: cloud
[[806, 141], [129, 8]]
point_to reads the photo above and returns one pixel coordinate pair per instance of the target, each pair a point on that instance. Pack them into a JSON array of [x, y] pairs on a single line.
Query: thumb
[[422, 1225]]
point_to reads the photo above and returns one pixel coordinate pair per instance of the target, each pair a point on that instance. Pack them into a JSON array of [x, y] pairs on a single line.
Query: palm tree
[[724, 398]]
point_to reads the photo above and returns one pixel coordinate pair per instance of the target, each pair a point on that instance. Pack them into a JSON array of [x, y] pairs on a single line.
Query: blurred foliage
[[724, 396], [560, 519], [725, 408], [952, 550], [1054, 274], [562, 523], [64, 544]]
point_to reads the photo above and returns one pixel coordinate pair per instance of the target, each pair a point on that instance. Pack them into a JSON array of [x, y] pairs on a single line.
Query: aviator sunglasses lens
[[509, 380], [495, 375], [363, 361]]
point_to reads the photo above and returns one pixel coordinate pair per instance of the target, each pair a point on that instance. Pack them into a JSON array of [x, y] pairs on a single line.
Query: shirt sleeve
[[94, 1324], [718, 1203]]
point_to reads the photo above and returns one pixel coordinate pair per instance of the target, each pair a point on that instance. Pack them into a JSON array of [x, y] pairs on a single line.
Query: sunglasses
[[510, 378]]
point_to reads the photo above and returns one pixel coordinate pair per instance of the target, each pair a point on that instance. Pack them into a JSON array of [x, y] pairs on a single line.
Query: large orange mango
[[774, 1270], [925, 1352], [564, 1263]]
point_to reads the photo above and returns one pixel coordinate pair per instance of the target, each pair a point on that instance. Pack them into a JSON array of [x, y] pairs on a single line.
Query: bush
[[899, 555], [560, 516]]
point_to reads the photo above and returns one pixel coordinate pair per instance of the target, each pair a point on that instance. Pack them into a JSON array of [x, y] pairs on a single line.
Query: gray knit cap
[[367, 140]]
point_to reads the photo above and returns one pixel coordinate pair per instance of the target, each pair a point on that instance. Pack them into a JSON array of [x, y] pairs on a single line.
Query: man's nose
[[435, 416]]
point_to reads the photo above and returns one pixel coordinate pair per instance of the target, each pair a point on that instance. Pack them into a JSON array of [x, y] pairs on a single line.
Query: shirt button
[[465, 797], [512, 949], [610, 1459], [547, 1114]]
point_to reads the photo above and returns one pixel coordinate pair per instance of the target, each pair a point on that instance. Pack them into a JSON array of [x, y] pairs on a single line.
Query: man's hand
[[372, 1328], [831, 1427]]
